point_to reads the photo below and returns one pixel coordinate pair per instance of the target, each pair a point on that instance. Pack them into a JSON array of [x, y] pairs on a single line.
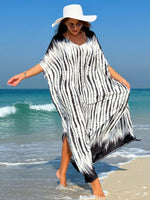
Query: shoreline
[[130, 181]]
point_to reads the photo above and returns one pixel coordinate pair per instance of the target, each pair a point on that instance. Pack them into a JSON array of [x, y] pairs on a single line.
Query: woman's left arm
[[117, 77]]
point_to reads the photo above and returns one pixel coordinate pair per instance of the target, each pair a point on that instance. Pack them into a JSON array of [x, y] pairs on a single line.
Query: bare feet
[[62, 178], [97, 190], [58, 174]]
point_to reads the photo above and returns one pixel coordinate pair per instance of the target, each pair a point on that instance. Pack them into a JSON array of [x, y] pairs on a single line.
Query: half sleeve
[[51, 59]]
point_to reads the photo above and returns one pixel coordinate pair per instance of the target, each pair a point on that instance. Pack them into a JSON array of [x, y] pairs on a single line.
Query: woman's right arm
[[15, 80]]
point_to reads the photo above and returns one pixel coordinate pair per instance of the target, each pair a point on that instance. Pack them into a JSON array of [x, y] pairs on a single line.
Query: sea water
[[30, 146]]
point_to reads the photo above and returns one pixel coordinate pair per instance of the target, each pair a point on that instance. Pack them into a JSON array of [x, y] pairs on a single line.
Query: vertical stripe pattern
[[92, 105]]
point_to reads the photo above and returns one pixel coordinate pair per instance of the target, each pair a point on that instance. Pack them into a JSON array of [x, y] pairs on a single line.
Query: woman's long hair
[[62, 28]]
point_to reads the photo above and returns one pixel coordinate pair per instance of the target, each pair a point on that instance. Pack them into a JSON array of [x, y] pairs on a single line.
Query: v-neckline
[[76, 43]]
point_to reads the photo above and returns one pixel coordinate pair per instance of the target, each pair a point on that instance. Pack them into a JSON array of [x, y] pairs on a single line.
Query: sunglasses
[[72, 26]]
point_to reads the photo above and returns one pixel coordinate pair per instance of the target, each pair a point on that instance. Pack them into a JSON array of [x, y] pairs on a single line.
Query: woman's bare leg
[[65, 159], [97, 190], [61, 173]]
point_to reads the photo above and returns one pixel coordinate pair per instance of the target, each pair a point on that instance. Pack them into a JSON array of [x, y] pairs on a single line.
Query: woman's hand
[[123, 81], [117, 77], [15, 80]]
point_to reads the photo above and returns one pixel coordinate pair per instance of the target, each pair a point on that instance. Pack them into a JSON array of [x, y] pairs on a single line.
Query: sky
[[122, 27]]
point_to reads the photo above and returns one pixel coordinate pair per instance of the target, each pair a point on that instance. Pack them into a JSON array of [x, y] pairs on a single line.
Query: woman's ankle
[[62, 177], [96, 188]]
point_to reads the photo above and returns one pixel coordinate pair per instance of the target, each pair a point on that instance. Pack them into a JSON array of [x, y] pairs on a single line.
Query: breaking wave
[[23, 107]]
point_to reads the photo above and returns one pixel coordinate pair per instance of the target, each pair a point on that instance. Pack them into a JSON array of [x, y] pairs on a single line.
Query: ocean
[[30, 146]]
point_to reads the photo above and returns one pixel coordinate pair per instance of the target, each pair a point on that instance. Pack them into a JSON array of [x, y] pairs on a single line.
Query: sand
[[130, 182]]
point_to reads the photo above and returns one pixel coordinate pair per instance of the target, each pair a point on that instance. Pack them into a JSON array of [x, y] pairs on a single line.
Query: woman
[[89, 95]]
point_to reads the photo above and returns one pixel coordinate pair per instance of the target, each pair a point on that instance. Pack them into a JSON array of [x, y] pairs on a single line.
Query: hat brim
[[88, 18]]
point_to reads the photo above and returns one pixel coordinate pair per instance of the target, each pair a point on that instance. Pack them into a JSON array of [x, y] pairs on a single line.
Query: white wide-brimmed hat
[[74, 11]]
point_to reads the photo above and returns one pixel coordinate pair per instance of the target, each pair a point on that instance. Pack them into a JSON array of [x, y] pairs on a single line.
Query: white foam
[[7, 110], [22, 163], [46, 107], [141, 126], [129, 153], [91, 197], [69, 188]]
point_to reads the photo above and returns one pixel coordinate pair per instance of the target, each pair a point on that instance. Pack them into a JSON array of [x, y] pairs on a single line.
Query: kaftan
[[92, 105]]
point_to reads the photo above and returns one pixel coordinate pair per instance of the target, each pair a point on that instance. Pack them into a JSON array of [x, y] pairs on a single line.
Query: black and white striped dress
[[92, 105]]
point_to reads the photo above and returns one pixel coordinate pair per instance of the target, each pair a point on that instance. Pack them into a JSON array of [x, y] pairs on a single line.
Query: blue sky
[[122, 27]]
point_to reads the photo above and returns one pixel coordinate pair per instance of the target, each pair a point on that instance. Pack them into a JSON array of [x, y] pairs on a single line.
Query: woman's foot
[[62, 178], [97, 190]]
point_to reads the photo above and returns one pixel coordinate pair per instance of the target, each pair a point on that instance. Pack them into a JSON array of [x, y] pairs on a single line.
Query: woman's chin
[[74, 32]]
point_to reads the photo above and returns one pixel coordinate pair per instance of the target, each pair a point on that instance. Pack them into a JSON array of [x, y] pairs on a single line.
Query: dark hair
[[62, 28]]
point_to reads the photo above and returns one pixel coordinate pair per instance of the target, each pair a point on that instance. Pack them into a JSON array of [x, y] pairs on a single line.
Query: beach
[[30, 152], [130, 182]]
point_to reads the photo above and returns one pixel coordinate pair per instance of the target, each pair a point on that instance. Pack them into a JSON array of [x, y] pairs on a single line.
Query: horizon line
[[46, 88]]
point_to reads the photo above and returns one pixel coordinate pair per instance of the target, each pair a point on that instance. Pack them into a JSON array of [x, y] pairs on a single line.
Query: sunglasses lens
[[77, 25]]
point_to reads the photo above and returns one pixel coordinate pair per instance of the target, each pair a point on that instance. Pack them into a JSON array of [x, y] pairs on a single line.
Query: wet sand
[[130, 182]]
